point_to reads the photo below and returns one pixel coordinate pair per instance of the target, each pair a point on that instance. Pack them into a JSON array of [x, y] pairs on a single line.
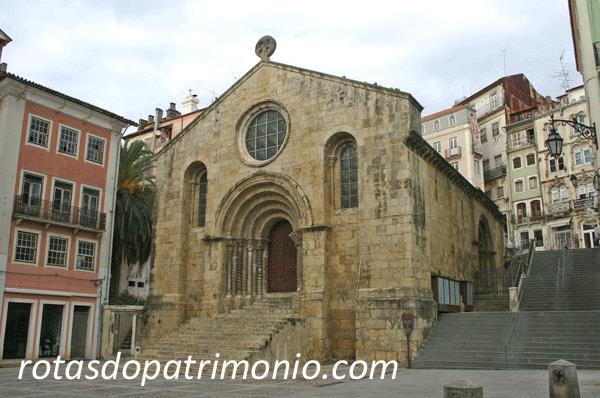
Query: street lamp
[[555, 141]]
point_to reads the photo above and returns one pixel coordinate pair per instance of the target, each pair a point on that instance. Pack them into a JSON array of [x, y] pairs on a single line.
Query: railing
[[453, 152], [519, 142], [555, 209], [54, 211], [515, 302], [583, 203], [494, 173]]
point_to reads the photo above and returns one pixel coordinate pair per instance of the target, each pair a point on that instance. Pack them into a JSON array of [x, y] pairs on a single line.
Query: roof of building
[[4, 75], [375, 87], [150, 126], [444, 112], [4, 38], [489, 86]]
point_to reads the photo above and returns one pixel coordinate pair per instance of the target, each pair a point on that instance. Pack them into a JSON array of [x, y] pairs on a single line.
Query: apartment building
[[155, 131], [454, 134], [59, 160]]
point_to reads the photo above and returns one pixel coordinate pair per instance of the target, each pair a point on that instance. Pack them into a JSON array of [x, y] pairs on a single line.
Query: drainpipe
[[105, 279]]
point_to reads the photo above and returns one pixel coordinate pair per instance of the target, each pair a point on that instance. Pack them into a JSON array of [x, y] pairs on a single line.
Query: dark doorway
[[17, 331], [79, 331], [51, 330], [282, 259]]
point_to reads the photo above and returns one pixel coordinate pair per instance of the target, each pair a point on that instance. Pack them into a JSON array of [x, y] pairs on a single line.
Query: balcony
[[453, 153], [496, 172], [524, 219], [490, 106], [583, 203], [558, 210], [52, 212], [519, 142]]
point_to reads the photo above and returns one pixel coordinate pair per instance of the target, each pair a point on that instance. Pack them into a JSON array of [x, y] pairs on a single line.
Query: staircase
[[238, 334], [559, 318]]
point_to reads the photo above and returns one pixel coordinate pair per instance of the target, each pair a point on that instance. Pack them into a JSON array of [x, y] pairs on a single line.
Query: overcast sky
[[133, 56]]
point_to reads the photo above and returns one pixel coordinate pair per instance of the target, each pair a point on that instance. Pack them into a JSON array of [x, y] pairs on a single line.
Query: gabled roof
[[7, 75], [442, 113], [373, 87]]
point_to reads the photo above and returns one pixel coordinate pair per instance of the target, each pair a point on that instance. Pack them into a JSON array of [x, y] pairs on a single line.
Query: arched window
[[349, 176], [202, 186]]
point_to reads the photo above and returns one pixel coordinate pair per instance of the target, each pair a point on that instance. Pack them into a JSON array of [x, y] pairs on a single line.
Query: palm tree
[[133, 222]]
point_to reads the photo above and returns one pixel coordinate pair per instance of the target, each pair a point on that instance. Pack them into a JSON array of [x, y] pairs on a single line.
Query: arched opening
[[195, 194], [282, 259], [341, 173], [485, 276]]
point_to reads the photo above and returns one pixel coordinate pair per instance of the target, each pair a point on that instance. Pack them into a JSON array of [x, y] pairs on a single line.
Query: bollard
[[563, 381], [462, 389]]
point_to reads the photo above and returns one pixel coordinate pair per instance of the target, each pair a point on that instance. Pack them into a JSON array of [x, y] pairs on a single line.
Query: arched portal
[[486, 276], [282, 267]]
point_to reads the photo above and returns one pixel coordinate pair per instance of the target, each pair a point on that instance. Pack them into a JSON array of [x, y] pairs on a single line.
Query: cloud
[[133, 56]]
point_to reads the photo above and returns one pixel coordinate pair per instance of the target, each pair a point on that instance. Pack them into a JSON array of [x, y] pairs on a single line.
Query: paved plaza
[[409, 383]]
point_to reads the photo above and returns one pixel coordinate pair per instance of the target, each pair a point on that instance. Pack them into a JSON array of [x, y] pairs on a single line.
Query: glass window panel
[[269, 129]]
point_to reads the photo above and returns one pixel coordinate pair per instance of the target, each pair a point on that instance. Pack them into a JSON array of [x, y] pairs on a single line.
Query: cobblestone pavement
[[409, 383]]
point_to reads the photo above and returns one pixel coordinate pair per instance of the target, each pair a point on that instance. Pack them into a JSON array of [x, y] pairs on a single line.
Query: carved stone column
[[239, 272], [229, 254], [331, 162], [259, 269], [250, 270], [297, 238]]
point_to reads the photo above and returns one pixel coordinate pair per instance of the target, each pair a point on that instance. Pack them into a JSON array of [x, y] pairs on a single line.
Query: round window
[[265, 135]]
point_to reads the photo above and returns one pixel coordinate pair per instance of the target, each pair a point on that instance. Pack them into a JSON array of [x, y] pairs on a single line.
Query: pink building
[[59, 159]]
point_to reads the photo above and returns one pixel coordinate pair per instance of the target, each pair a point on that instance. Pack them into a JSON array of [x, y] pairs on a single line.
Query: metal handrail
[[59, 212], [524, 269]]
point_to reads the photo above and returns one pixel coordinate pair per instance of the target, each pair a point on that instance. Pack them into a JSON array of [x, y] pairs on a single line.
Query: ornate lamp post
[[555, 141]]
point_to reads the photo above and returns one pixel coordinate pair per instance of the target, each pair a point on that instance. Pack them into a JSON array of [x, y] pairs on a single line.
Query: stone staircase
[[557, 320], [239, 334]]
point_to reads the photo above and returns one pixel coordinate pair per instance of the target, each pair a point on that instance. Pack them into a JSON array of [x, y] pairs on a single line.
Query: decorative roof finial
[[265, 47]]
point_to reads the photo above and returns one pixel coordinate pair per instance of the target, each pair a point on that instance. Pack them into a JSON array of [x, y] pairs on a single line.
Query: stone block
[[463, 389], [562, 379]]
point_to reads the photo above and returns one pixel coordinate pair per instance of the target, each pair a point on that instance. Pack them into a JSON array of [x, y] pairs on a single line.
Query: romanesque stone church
[[306, 209]]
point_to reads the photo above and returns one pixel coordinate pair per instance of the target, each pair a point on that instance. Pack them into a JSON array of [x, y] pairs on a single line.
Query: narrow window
[[533, 183], [349, 176], [519, 186], [530, 159], [483, 135], [95, 149], [26, 248], [202, 188], [68, 141], [38, 132], [86, 255], [57, 251], [516, 162]]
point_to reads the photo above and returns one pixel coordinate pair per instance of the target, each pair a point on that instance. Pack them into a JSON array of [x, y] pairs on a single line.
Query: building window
[[68, 141], [495, 129], [585, 190], [31, 193], [453, 143], [556, 164], [26, 247], [57, 251], [538, 236], [533, 182], [498, 160], [86, 255], [494, 103], [266, 135], [486, 164], [349, 176], [455, 165], [559, 194], [452, 120], [536, 208], [476, 165], [39, 131], [202, 189], [516, 162], [579, 118], [483, 134], [95, 149], [436, 125], [519, 186], [530, 159], [500, 192], [437, 146], [582, 156], [521, 211]]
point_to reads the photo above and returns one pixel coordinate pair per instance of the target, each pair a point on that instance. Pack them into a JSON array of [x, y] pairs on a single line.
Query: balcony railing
[[490, 106], [583, 203], [453, 153], [522, 219], [494, 173], [557, 209], [519, 142], [53, 211]]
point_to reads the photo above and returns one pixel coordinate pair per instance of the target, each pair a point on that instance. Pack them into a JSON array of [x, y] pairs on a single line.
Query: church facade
[[318, 193]]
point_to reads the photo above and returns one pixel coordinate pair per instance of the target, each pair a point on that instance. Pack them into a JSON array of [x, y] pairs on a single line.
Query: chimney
[[141, 124], [158, 115], [190, 103], [172, 111], [151, 119]]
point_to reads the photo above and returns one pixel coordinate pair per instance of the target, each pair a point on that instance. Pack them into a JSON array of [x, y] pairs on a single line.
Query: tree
[[133, 222]]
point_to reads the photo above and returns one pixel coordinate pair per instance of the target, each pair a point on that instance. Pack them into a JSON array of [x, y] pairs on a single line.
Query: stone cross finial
[[265, 47]]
